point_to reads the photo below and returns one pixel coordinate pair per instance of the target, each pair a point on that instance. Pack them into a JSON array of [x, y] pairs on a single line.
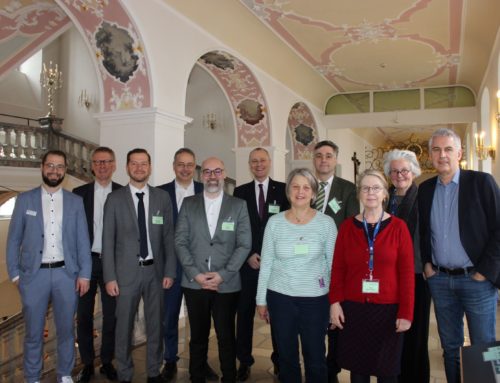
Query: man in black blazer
[[272, 200], [94, 195], [337, 199], [459, 214], [181, 187]]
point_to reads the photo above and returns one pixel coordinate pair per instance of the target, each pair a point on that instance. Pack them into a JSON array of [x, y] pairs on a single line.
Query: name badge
[[31, 212], [157, 220], [334, 205], [301, 249], [370, 286], [227, 226], [273, 209]]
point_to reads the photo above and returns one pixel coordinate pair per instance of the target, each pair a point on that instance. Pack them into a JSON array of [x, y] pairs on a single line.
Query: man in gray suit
[[138, 261], [48, 258], [212, 240], [336, 198]]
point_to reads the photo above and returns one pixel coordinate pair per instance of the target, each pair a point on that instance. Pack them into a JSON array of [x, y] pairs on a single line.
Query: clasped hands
[[209, 280]]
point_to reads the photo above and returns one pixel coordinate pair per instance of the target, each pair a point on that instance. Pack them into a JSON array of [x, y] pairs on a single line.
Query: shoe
[[210, 374], [85, 374], [243, 373], [155, 379], [333, 379], [169, 371], [66, 379], [276, 370], [109, 370]]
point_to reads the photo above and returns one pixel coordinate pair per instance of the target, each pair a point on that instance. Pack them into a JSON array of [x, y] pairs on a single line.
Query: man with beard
[[138, 261], [212, 240], [48, 258]]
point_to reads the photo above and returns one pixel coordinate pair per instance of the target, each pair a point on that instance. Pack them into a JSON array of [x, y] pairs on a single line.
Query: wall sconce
[[84, 100], [483, 152], [51, 79], [463, 164], [210, 121]]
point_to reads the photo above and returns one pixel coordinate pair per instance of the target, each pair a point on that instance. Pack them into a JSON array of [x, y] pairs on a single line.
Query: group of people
[[302, 253]]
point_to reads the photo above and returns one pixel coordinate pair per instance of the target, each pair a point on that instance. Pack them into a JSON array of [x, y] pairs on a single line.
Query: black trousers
[[245, 317], [85, 319], [202, 305]]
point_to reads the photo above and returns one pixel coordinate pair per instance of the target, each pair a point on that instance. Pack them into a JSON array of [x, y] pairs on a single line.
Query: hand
[[254, 261], [428, 270], [477, 276], [336, 316], [167, 282], [213, 281], [402, 325], [263, 313], [82, 285], [112, 289]]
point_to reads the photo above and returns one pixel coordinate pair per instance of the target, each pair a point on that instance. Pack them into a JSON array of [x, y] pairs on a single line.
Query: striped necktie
[[320, 198]]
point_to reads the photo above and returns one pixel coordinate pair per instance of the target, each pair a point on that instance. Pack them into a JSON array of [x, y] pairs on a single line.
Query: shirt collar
[[455, 179], [265, 183]]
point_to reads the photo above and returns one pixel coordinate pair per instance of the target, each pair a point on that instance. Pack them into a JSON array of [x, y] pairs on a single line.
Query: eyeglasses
[[216, 172], [403, 172], [374, 189], [102, 162], [55, 167]]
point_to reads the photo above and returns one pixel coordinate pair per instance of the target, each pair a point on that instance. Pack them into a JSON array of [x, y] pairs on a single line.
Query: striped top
[[296, 260]]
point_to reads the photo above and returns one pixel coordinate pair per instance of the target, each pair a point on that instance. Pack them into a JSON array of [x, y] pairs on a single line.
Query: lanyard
[[393, 207], [371, 241]]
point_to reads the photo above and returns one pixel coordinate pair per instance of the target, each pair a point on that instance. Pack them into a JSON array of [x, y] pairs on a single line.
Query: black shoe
[[210, 374], [85, 374], [109, 370], [169, 371], [276, 370], [155, 379], [243, 373], [333, 378]]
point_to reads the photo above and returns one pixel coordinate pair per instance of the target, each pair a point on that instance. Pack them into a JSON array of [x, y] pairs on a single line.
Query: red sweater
[[393, 266]]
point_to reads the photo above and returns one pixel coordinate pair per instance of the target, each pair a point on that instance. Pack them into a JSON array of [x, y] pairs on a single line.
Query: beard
[[213, 186], [52, 182]]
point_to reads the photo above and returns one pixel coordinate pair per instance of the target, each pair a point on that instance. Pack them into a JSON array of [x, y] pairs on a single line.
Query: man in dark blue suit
[[459, 214], [264, 197], [94, 195], [182, 186]]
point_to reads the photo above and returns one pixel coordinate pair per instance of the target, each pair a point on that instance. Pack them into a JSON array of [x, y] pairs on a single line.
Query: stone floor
[[262, 369]]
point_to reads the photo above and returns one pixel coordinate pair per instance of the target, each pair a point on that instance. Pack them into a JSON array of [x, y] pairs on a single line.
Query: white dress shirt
[[52, 206], [265, 187], [212, 211], [145, 198], [328, 187], [181, 192], [100, 195]]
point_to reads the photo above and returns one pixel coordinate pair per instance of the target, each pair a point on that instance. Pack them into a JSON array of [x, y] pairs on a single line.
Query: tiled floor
[[262, 369]]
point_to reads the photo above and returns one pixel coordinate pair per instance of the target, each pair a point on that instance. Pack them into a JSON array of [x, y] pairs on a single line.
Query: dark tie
[[262, 201], [141, 219], [320, 198]]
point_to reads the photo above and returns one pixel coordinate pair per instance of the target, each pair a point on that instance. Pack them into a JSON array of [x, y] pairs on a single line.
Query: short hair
[[138, 151], [329, 143], [54, 152], [103, 149], [184, 150], [306, 173], [258, 149], [373, 173], [406, 155], [445, 132]]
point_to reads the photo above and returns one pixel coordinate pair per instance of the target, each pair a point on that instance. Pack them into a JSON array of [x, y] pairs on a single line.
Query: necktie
[[141, 219], [262, 201], [320, 198]]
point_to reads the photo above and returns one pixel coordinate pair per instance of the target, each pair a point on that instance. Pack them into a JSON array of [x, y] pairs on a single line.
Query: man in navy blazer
[[459, 214], [48, 258], [181, 187], [94, 195], [271, 196]]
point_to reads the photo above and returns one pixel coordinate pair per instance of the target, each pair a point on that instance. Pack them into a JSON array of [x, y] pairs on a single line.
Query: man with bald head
[[212, 240]]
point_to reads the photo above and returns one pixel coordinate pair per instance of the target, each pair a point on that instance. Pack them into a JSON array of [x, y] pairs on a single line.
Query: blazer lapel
[[224, 214], [37, 201], [130, 206]]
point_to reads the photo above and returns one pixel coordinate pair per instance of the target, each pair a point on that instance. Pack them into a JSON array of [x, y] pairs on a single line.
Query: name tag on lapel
[[335, 205], [227, 226], [157, 220], [31, 212]]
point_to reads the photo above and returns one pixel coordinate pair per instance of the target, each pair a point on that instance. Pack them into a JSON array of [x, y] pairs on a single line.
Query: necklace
[[299, 219]]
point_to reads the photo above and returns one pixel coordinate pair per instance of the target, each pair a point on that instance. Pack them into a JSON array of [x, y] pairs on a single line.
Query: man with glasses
[[181, 187], [212, 240], [336, 198], [138, 262], [48, 258], [94, 195]]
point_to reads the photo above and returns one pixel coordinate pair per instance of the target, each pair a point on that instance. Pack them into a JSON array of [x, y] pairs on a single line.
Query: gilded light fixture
[[51, 79], [483, 151], [85, 100]]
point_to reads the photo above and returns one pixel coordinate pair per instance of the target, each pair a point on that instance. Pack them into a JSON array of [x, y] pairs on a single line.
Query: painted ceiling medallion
[[218, 59], [250, 111]]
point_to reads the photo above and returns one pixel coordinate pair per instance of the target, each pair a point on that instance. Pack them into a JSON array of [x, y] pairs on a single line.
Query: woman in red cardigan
[[372, 286]]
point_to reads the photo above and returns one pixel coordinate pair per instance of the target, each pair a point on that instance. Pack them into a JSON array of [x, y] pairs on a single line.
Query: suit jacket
[[479, 221], [276, 194], [26, 236], [345, 193], [120, 238], [170, 189], [87, 193], [225, 252]]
